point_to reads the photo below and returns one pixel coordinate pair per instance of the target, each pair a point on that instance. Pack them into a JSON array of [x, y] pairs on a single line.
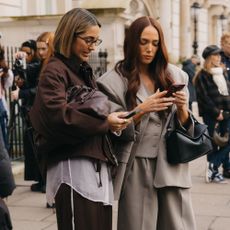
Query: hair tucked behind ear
[[76, 21]]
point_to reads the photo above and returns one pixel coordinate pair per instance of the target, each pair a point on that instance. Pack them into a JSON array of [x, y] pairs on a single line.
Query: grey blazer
[[115, 87]]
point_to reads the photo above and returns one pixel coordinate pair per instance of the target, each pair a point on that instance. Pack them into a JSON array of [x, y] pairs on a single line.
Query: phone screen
[[174, 88], [129, 115]]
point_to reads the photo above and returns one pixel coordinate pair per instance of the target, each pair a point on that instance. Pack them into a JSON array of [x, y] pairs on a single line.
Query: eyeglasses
[[90, 41]]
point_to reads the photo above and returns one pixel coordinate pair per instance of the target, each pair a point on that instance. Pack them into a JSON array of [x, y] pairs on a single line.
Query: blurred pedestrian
[[155, 194], [190, 66], [213, 88], [225, 54], [6, 81], [76, 156], [26, 69], [45, 47], [7, 185], [45, 50]]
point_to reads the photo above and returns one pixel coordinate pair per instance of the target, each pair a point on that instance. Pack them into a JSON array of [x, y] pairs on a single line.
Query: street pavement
[[211, 203]]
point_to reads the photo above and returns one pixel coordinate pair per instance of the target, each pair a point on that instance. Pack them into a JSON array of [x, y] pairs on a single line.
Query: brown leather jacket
[[66, 132]]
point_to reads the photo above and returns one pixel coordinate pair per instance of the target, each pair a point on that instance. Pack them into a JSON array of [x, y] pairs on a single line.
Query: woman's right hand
[[116, 123], [20, 55], [156, 102]]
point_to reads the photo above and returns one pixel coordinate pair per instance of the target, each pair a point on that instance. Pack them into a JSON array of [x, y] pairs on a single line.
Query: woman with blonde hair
[[78, 172], [213, 97]]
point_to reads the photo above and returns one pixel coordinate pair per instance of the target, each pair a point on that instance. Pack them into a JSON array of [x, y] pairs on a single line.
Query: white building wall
[[10, 8], [203, 30], [16, 32], [114, 16], [174, 52], [112, 34], [165, 8]]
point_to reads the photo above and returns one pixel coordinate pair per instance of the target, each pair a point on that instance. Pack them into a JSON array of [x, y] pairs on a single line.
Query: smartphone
[[174, 88], [129, 114]]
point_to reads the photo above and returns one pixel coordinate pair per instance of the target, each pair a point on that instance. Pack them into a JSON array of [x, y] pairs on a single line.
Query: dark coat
[[210, 101], [5, 220], [27, 94], [30, 76], [60, 125], [7, 184], [226, 61], [190, 69]]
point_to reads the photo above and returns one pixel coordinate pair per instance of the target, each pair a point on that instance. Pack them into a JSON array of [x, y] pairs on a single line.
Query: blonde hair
[[224, 37], [48, 38], [73, 23]]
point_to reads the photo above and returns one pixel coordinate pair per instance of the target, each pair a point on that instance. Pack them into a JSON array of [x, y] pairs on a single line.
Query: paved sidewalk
[[27, 208], [211, 203]]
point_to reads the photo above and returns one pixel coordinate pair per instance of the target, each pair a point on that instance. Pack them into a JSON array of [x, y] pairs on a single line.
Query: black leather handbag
[[88, 100], [182, 147]]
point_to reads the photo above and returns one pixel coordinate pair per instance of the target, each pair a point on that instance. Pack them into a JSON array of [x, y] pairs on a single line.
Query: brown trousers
[[88, 215]]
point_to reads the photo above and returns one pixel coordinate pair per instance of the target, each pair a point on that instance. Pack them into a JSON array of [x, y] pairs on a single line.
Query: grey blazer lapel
[[141, 96], [142, 93]]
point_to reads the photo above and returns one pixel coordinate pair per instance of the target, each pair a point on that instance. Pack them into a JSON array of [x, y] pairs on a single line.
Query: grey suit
[[150, 191]]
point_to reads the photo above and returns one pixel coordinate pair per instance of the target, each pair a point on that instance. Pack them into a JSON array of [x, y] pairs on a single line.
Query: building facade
[[182, 24]]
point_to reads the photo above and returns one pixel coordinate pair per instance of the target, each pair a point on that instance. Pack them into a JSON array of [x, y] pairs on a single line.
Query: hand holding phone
[[174, 88], [130, 114]]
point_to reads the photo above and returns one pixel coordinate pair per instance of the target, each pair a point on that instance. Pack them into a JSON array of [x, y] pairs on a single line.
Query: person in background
[[76, 156], [6, 81], [45, 50], [154, 194], [7, 185], [26, 70], [45, 47], [212, 89], [225, 58], [189, 66]]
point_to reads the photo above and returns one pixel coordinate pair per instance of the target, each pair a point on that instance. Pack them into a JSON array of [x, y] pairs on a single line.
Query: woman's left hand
[[117, 123], [181, 100]]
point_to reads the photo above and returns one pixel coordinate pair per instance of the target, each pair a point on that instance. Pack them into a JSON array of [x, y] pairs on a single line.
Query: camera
[[19, 69], [20, 63]]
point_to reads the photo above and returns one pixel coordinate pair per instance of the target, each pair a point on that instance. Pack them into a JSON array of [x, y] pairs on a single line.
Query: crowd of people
[[82, 147], [22, 80]]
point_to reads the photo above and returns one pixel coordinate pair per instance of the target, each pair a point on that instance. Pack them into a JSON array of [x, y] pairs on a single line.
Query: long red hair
[[48, 38]]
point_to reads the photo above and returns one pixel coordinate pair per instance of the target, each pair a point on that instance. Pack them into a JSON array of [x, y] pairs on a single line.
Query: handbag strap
[[171, 125]]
